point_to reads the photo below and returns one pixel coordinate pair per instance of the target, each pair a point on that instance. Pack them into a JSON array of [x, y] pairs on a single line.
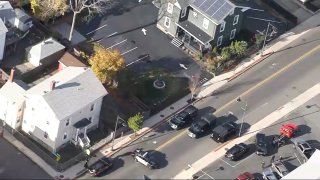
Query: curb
[[150, 129], [250, 66]]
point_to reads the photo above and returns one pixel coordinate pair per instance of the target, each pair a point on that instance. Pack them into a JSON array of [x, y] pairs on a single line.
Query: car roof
[[100, 163], [280, 166], [236, 148], [190, 109], [209, 117], [229, 125], [183, 114], [245, 176]]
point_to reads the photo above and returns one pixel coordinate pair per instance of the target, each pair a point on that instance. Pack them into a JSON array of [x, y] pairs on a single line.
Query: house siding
[[2, 43], [228, 28], [198, 21], [163, 13]]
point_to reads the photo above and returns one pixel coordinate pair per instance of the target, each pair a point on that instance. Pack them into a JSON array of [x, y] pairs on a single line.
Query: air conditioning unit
[[195, 14]]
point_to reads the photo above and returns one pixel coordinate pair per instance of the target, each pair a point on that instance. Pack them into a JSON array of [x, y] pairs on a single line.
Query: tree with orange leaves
[[106, 64]]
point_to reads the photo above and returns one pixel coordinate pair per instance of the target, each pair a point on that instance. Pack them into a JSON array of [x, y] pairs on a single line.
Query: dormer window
[[170, 8]]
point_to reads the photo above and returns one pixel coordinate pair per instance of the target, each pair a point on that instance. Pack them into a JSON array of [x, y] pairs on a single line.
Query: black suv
[[261, 144], [223, 132], [237, 151], [201, 126], [183, 117]]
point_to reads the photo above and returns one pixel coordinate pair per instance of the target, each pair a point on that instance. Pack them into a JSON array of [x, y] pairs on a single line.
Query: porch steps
[[177, 42]]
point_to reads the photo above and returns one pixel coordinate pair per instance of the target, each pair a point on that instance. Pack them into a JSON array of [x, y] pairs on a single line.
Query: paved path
[[265, 122]]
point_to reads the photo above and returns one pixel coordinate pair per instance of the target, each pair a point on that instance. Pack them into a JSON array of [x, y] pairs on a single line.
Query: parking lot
[[306, 117], [138, 39]]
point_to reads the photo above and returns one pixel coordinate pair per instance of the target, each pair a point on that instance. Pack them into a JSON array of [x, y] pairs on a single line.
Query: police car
[[144, 158]]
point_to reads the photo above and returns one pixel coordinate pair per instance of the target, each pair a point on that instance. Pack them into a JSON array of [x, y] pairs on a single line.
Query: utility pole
[[115, 130], [244, 113]]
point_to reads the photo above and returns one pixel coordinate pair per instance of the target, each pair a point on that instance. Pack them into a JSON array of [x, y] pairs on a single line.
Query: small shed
[[22, 21], [45, 53]]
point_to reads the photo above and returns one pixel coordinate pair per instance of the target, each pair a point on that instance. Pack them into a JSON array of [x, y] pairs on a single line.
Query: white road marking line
[[137, 60], [107, 36], [243, 160], [97, 29], [226, 162], [297, 158], [129, 50], [117, 44]]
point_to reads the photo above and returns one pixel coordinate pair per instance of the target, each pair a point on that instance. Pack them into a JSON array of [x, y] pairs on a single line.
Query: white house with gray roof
[[63, 108], [200, 24]]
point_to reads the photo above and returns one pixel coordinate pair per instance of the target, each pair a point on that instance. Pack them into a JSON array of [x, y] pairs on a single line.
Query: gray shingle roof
[[216, 10], [6, 11], [76, 87], [3, 28], [45, 48], [22, 16]]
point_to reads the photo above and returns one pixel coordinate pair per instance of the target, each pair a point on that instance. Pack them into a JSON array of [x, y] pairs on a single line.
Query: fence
[[48, 157]]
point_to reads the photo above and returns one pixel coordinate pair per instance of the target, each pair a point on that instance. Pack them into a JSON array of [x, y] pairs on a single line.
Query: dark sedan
[[99, 167], [237, 151]]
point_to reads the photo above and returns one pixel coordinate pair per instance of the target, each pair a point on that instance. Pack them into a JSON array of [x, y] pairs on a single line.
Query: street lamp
[[244, 113], [115, 129]]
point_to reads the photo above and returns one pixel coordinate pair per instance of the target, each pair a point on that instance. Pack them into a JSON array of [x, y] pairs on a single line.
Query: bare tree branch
[[194, 84]]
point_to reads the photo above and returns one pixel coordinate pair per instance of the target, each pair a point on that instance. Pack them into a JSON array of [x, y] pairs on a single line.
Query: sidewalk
[[263, 123], [165, 114]]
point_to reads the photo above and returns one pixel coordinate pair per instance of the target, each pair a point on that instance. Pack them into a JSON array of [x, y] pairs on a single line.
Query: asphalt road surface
[[265, 87], [15, 165]]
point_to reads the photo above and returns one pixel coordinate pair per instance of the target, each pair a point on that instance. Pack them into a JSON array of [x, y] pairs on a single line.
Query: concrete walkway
[[262, 124], [154, 121]]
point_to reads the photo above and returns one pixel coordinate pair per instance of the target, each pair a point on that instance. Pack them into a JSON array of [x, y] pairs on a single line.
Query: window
[[222, 26], [205, 23], [232, 12], [219, 41], [45, 135], [65, 135], [183, 12], [32, 109], [235, 19], [232, 34], [170, 8], [90, 119], [68, 122], [92, 107], [167, 22]]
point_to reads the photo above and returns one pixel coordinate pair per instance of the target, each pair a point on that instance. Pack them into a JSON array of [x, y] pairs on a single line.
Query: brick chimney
[[11, 75], [52, 85]]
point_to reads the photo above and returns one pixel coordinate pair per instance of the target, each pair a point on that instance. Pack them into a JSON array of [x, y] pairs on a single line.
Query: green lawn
[[141, 86]]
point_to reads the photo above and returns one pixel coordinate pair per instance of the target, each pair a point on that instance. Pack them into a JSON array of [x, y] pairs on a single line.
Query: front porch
[[192, 37], [81, 137]]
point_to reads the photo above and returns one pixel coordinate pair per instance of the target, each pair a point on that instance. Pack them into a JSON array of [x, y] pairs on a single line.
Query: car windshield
[[177, 119], [196, 127]]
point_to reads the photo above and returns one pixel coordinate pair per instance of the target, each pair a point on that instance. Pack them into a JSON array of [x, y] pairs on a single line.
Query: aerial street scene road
[[159, 89]]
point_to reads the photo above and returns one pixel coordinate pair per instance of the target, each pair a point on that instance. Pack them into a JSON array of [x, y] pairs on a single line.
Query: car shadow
[[117, 163], [160, 158], [244, 129], [302, 130]]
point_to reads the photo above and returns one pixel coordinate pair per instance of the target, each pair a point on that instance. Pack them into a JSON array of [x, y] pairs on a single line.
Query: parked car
[[99, 167], [144, 158], [268, 174], [180, 120], [261, 144], [237, 151], [183, 117], [245, 176], [303, 148], [224, 132], [201, 126], [279, 167]]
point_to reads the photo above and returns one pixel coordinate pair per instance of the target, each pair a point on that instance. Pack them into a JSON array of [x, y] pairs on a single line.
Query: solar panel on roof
[[217, 9], [197, 3]]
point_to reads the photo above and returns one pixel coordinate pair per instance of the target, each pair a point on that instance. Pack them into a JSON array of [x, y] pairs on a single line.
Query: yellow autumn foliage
[[106, 64]]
